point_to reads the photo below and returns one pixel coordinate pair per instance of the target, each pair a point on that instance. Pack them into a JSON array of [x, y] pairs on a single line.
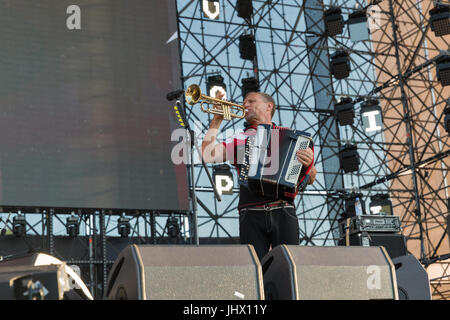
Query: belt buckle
[[266, 207]]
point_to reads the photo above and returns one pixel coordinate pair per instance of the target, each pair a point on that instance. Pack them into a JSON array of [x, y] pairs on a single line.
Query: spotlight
[[357, 25], [124, 226], [249, 85], [443, 68], [447, 117], [247, 47], [244, 8], [173, 227], [223, 179], [214, 84], [371, 116], [381, 205], [334, 22], [19, 225], [72, 226], [211, 9], [349, 158], [354, 205], [340, 64], [344, 111], [440, 19]]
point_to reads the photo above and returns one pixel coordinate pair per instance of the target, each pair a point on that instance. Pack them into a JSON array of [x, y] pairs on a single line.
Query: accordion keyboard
[[295, 166], [249, 145]]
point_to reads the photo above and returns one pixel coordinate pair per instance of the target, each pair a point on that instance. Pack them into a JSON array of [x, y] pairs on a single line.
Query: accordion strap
[[305, 178]]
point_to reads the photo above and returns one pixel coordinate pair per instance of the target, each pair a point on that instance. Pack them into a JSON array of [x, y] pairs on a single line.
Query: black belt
[[269, 206]]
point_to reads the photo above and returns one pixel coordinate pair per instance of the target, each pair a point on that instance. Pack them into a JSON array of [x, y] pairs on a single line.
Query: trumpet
[[229, 110]]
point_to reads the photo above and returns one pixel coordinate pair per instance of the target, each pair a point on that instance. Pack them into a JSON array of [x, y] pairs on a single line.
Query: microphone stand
[[194, 144]]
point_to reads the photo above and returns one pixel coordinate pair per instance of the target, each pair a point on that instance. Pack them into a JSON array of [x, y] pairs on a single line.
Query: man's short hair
[[268, 99]]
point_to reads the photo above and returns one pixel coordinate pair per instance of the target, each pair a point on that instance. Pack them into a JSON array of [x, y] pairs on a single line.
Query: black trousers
[[268, 228]]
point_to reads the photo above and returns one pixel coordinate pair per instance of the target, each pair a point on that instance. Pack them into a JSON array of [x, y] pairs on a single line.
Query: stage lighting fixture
[[173, 227], [447, 117], [19, 225], [249, 85], [72, 226], [334, 22], [440, 19], [381, 205], [371, 115], [211, 9], [244, 8], [354, 205], [123, 226], [443, 68], [357, 25], [223, 178], [349, 158], [247, 47], [340, 64], [215, 84], [344, 111]]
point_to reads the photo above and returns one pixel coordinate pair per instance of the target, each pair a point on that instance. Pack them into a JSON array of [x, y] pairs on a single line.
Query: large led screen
[[84, 120]]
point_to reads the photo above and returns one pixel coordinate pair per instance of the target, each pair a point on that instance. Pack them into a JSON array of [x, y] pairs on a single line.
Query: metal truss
[[418, 156], [98, 243], [408, 158]]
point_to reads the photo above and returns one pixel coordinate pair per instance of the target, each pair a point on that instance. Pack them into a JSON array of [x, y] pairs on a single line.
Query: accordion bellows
[[270, 166]]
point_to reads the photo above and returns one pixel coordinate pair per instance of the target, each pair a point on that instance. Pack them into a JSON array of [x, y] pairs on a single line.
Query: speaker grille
[[329, 273], [164, 272]]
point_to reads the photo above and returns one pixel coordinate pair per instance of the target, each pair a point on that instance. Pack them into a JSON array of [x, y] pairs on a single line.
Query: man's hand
[[305, 156], [219, 95], [213, 152]]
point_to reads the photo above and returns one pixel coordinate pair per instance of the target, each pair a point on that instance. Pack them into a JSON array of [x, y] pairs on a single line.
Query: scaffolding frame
[[408, 158]]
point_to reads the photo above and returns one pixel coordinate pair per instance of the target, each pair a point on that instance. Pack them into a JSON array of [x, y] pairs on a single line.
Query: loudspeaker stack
[[373, 230], [384, 230], [287, 272]]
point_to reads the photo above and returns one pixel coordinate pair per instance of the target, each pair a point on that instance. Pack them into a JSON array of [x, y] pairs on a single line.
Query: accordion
[[270, 166]]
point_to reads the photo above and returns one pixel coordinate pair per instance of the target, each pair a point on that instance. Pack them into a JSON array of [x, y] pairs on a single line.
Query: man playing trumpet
[[264, 222]]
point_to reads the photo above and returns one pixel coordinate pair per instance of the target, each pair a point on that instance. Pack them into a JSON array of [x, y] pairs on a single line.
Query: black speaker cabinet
[[395, 244], [186, 272], [328, 273], [32, 282], [412, 279], [73, 286]]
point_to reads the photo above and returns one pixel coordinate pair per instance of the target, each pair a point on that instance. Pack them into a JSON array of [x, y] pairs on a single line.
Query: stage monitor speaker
[[32, 282], [186, 272], [328, 273], [75, 289], [412, 279]]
